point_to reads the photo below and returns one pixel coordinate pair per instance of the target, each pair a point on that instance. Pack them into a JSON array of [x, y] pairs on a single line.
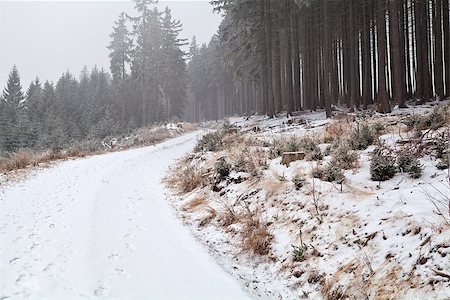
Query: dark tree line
[[147, 84], [285, 55]]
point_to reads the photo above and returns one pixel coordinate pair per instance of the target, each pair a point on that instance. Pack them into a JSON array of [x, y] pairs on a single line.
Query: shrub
[[211, 141], [222, 168], [382, 168], [434, 119], [440, 145], [317, 172], [315, 155], [404, 162], [408, 163], [292, 145], [361, 138], [277, 147], [345, 158], [378, 128], [415, 169], [442, 164], [298, 252], [412, 121], [298, 181], [333, 173]]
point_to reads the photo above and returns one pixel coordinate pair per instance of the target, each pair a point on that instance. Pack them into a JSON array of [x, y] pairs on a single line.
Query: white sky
[[47, 38]]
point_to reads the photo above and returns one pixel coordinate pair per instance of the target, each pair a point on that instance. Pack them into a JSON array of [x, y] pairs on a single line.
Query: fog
[[47, 38]]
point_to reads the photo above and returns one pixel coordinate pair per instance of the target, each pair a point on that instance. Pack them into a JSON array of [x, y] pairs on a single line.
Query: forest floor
[[99, 228], [305, 230]]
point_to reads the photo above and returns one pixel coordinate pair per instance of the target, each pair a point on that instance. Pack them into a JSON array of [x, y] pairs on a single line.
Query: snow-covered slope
[[288, 232], [100, 228]]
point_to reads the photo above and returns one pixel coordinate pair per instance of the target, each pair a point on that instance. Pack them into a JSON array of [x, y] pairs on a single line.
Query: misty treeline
[[287, 55], [147, 84]]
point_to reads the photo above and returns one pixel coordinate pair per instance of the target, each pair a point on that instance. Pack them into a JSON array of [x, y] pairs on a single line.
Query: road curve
[[100, 228]]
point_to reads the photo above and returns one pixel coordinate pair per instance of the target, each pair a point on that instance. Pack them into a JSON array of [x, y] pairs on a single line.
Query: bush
[[404, 162], [442, 164], [317, 172], [409, 164], [435, 119], [211, 141], [345, 158], [333, 173], [298, 252], [440, 145], [415, 169], [361, 138], [222, 168], [412, 121], [292, 145], [378, 128], [298, 181], [382, 168], [277, 147]]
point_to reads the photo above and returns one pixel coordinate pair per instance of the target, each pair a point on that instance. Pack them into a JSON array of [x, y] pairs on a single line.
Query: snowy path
[[99, 228]]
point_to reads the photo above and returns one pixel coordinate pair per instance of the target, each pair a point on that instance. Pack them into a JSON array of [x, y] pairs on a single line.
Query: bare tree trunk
[[382, 96], [397, 63]]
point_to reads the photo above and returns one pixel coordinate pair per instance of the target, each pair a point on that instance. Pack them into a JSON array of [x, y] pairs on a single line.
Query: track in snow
[[100, 228]]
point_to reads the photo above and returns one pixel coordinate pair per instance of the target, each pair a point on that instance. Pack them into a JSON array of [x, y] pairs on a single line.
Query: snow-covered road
[[100, 228]]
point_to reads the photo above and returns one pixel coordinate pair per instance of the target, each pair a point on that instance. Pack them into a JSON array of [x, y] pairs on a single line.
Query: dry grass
[[228, 216], [256, 237], [194, 204], [187, 178], [18, 160], [188, 126], [209, 216], [339, 129]]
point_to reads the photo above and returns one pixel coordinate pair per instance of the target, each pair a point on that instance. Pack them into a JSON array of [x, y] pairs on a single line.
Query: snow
[[100, 227], [377, 240]]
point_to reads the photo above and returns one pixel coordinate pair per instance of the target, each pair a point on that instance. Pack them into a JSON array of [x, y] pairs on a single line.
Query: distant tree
[[11, 106], [174, 74]]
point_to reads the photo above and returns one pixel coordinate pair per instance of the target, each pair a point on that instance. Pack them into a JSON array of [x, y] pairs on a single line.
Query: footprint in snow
[[122, 272], [114, 256], [101, 291], [49, 268], [141, 228], [130, 247], [14, 260]]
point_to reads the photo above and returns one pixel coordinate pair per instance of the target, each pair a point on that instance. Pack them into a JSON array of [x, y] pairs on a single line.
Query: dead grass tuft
[[256, 237], [18, 160], [188, 178], [339, 129], [228, 216], [194, 204], [76, 152], [210, 215]]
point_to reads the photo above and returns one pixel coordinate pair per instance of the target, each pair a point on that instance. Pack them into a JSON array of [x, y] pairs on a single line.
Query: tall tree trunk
[[327, 53], [397, 63], [268, 32], [382, 95], [276, 71], [446, 27], [366, 74], [438, 62]]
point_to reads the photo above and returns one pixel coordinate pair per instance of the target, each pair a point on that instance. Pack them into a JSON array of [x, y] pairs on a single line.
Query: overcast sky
[[47, 38]]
